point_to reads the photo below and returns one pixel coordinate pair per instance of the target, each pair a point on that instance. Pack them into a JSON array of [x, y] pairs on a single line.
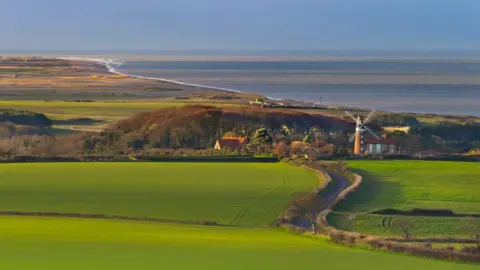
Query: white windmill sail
[[361, 125]]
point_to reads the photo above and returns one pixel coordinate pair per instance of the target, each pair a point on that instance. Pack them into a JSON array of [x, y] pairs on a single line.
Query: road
[[325, 199]]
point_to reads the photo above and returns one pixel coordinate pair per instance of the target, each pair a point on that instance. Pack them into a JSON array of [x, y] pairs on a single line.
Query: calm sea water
[[443, 87]]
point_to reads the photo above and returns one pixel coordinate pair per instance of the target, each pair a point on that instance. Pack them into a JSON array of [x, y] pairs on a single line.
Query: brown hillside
[[199, 126], [200, 117]]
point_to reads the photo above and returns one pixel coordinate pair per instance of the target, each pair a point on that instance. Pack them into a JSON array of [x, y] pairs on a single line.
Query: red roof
[[372, 140], [232, 142], [298, 144]]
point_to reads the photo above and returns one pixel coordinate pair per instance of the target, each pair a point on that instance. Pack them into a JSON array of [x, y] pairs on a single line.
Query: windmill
[[360, 128]]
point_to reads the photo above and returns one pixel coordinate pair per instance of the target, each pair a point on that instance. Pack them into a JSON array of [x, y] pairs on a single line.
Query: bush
[[350, 240], [337, 237], [427, 245], [471, 249], [449, 248], [24, 117]]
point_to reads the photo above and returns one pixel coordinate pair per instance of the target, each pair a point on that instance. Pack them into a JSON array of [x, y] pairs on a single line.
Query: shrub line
[[110, 217]]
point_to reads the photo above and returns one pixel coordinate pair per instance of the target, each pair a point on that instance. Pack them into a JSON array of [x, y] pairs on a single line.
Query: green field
[[104, 110], [432, 227], [101, 109], [46, 243], [411, 184], [249, 195], [228, 193]]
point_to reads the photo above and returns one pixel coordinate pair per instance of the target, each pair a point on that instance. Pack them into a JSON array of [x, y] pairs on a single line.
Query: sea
[[440, 87], [438, 83]]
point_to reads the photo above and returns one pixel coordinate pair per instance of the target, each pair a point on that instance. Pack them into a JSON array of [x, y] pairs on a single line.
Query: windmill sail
[[359, 129], [371, 132]]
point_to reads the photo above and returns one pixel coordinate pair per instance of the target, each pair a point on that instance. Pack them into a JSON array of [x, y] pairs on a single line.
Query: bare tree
[[311, 216], [402, 225]]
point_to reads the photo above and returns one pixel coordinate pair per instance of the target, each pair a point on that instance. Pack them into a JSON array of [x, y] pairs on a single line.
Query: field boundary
[[322, 218], [295, 209], [239, 158], [111, 217]]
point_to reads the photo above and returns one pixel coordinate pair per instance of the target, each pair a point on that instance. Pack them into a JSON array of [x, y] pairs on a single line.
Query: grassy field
[[419, 226], [102, 110], [46, 243], [247, 194], [416, 184], [228, 193], [412, 184]]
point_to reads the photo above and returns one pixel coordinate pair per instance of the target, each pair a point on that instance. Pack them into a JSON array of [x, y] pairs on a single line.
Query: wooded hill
[[200, 126]]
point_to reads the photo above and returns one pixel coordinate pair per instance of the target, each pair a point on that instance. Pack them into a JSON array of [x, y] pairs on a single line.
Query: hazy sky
[[239, 24]]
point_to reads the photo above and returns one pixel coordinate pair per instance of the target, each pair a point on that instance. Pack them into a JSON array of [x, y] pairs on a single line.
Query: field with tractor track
[[448, 187], [226, 193]]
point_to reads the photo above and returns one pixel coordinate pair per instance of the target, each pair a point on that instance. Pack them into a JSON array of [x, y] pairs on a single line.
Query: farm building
[[299, 147], [231, 143], [312, 154], [379, 146]]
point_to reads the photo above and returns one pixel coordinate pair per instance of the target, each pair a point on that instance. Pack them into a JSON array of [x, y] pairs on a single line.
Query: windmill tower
[[359, 130]]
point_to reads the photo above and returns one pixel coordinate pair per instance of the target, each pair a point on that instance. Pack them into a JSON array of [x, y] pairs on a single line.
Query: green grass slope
[[416, 184], [228, 193], [51, 243], [412, 184]]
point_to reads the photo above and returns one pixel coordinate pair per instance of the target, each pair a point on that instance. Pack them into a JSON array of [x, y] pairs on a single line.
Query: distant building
[[380, 146], [298, 147], [231, 143], [312, 154], [428, 153]]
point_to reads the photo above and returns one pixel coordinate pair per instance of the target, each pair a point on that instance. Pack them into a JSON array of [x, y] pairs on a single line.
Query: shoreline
[[110, 63]]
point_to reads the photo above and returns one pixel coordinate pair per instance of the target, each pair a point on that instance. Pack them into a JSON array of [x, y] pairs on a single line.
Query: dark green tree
[[309, 135], [262, 136]]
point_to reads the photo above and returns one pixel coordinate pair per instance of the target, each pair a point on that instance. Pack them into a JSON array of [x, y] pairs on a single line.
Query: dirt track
[[326, 198]]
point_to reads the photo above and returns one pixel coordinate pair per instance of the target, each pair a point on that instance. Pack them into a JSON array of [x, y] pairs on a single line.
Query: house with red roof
[[231, 143]]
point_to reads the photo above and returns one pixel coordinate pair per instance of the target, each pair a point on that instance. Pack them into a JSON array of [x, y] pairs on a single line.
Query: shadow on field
[[370, 189], [78, 121]]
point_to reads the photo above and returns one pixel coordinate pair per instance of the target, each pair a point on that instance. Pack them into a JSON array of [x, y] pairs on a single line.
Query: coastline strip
[[111, 63]]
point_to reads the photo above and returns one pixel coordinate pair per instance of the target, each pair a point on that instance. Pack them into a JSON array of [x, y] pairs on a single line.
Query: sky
[[239, 25]]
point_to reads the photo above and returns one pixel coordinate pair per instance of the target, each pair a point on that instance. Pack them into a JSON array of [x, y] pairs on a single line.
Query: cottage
[[379, 146], [231, 143], [312, 154]]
